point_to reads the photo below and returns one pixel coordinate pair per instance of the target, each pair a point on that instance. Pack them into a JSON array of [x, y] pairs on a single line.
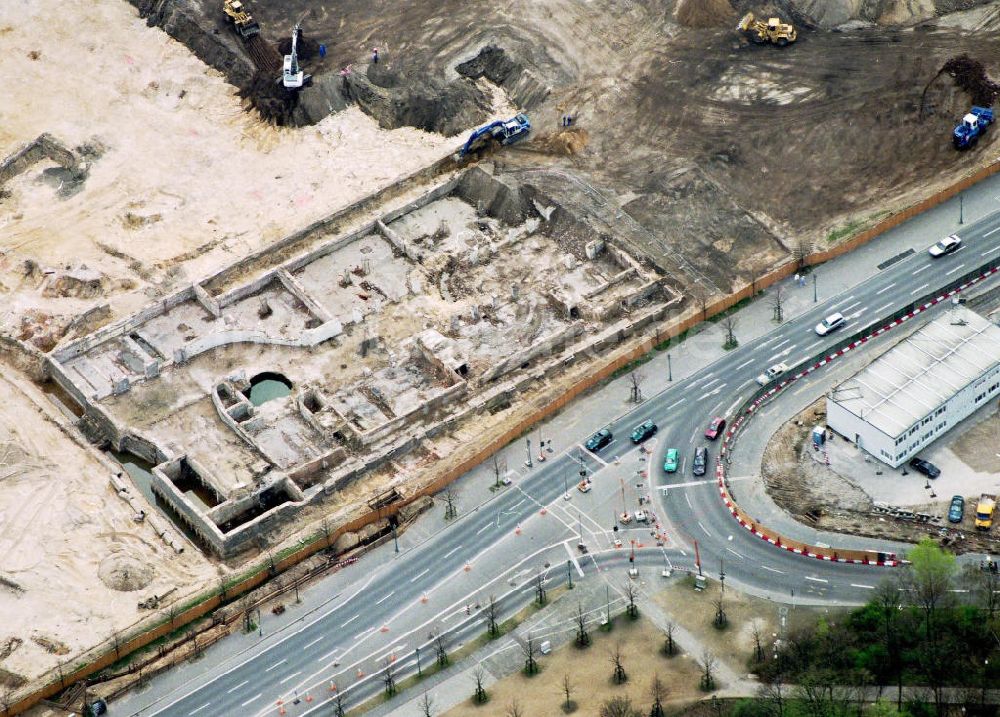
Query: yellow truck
[[985, 509]]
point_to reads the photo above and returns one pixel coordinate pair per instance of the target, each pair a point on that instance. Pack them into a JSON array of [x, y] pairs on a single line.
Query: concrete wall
[[44, 146]]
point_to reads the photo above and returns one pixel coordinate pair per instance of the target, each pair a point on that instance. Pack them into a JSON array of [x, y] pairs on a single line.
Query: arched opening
[[267, 386]]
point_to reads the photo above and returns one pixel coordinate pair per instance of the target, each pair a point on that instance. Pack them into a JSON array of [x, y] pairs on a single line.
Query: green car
[[643, 431], [670, 462]]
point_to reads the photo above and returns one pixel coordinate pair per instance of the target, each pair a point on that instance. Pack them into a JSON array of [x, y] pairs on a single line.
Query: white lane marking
[[745, 363], [849, 307], [290, 677], [331, 653], [925, 267], [779, 345], [735, 404], [705, 529], [990, 251], [816, 580], [735, 553], [811, 346], [278, 664], [676, 403], [449, 553], [846, 299], [714, 380], [416, 577], [992, 231], [785, 352], [481, 530], [253, 699], [885, 289], [572, 558], [350, 620], [949, 273], [237, 687], [196, 710], [702, 378], [687, 497], [716, 407], [773, 570], [715, 391], [919, 289], [310, 644], [883, 308], [866, 587], [384, 598]]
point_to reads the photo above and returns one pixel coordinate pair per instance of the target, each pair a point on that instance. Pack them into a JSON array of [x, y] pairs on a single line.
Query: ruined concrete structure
[[256, 397]]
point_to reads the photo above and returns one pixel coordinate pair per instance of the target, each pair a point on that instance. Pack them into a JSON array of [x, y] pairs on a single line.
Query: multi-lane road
[[384, 611]]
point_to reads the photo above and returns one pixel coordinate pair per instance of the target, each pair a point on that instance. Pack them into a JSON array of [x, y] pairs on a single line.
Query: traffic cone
[[517, 531], [333, 687], [543, 511], [309, 697], [384, 628], [423, 599]]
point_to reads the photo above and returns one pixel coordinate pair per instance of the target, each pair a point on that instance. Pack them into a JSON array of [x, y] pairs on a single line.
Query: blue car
[[670, 462]]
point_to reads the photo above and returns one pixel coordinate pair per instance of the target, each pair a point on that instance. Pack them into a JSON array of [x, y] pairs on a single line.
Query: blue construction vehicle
[[973, 125], [502, 131]]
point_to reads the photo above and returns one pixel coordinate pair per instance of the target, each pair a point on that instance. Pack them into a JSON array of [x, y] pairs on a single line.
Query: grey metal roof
[[922, 372]]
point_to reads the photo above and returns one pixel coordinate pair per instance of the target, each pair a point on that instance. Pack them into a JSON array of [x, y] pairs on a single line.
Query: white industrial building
[[920, 388]]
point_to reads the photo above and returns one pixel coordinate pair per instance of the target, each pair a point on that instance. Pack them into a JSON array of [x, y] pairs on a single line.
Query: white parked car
[[945, 246], [772, 373], [830, 323]]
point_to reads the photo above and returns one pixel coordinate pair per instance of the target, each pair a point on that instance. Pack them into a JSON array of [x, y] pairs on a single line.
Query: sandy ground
[[589, 671], [187, 180], [63, 532]]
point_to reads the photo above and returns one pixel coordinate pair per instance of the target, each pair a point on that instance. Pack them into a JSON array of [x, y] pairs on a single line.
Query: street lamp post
[[815, 299], [395, 538], [670, 373], [528, 446]]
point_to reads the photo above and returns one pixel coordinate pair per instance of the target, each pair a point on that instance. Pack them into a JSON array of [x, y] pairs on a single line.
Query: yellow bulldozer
[[774, 30], [241, 18]]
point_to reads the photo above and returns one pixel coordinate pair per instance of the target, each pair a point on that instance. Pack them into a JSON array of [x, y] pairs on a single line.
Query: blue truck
[[502, 131], [974, 124]]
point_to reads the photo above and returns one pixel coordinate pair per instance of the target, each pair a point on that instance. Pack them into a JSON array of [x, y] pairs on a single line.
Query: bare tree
[[618, 674], [567, 687], [729, 323], [389, 677], [492, 626], [222, 590], [196, 649], [338, 706], [529, 649], [707, 681], [777, 304], [701, 296], [426, 706], [246, 608], [721, 620], [758, 648], [669, 646], [514, 709], [451, 496], [116, 641], [582, 635], [480, 696], [984, 587], [327, 531], [773, 693], [658, 693], [619, 706], [635, 392], [540, 596], [631, 593], [498, 471], [442, 654]]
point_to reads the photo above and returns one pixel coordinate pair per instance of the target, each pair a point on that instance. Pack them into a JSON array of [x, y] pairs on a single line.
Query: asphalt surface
[[531, 528]]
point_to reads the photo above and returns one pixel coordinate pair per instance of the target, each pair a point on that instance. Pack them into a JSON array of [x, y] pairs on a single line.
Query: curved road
[[387, 610]]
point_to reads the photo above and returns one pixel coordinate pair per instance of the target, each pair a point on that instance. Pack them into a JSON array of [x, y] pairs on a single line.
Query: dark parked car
[[643, 431], [957, 509], [926, 467], [700, 461], [715, 428], [600, 439]]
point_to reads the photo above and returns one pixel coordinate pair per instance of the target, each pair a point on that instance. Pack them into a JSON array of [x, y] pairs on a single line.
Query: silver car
[[946, 246]]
